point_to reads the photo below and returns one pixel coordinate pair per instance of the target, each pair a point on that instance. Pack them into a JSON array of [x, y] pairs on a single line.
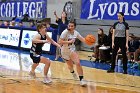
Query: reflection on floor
[[13, 58], [16, 64]]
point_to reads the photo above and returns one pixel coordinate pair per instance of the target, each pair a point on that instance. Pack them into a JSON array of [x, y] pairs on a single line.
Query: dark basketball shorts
[[35, 57]]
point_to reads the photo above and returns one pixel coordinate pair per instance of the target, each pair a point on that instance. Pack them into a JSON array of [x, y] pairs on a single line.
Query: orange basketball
[[90, 39]]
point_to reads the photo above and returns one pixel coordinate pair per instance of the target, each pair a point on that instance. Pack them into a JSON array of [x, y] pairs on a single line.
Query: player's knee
[[47, 62]]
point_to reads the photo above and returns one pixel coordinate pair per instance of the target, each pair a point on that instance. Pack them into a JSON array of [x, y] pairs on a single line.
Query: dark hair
[[131, 35], [65, 13], [101, 30], [121, 13], [31, 21], [39, 26], [66, 20], [101, 35], [14, 18], [73, 22], [110, 31]]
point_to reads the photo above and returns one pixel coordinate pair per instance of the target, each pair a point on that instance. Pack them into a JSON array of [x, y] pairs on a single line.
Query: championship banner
[[34, 8], [108, 9]]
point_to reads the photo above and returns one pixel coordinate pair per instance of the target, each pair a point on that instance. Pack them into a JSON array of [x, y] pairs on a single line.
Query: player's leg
[[57, 50], [71, 68], [47, 62], [36, 60], [32, 72], [75, 58]]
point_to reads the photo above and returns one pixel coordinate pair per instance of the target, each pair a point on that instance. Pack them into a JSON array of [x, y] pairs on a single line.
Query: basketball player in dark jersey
[[35, 52]]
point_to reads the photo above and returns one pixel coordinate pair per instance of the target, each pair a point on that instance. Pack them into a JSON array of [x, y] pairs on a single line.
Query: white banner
[[9, 36]]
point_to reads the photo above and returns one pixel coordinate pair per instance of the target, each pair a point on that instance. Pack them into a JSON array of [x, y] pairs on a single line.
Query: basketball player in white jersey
[[68, 50]]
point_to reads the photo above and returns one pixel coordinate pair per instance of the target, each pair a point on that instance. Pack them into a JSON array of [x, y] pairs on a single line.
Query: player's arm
[[36, 39], [52, 41], [81, 38], [127, 36], [57, 18], [62, 41], [113, 36]]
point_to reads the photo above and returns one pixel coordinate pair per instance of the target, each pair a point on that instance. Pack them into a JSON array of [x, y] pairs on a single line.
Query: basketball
[[90, 39]]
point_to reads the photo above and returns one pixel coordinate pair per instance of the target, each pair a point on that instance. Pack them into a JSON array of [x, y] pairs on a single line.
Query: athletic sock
[[72, 71], [81, 77]]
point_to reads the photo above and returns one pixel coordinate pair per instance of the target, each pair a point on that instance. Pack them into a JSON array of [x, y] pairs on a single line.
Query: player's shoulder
[[37, 35], [116, 23], [125, 23], [76, 32], [65, 31]]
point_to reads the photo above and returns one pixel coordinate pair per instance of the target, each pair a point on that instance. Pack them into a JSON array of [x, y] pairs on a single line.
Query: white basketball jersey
[[66, 35]]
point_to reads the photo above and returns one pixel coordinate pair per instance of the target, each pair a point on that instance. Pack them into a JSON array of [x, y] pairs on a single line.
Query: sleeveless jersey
[[37, 47]]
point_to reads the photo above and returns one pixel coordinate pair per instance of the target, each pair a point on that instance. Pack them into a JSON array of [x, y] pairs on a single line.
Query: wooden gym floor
[[14, 78]]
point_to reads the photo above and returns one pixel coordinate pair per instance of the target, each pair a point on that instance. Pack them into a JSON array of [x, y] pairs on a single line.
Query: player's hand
[[59, 46], [127, 47], [112, 45]]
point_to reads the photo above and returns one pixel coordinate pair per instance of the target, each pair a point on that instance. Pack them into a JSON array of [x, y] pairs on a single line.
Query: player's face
[[43, 29], [63, 15], [120, 17], [71, 27], [99, 32]]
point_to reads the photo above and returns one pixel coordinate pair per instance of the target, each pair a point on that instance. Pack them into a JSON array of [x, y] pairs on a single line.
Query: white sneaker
[[74, 76], [83, 83], [47, 80], [32, 74]]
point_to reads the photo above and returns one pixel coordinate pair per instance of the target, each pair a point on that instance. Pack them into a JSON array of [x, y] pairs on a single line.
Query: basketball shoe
[[83, 83], [74, 76], [47, 80]]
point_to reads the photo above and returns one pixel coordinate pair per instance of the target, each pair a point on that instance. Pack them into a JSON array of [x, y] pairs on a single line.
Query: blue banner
[[108, 9], [34, 8]]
